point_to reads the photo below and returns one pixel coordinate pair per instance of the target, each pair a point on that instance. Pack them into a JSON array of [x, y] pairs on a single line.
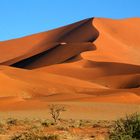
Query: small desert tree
[[55, 111]]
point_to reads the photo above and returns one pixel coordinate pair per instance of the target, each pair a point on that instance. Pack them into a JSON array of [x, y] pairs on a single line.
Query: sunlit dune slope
[[20, 83], [119, 41], [25, 85]]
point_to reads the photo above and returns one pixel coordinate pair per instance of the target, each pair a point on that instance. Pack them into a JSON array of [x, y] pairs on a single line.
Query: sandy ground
[[78, 110]]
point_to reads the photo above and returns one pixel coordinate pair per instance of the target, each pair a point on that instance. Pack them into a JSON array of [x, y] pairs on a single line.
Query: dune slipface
[[94, 60]]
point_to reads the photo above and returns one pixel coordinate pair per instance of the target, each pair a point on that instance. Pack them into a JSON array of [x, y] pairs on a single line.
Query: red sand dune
[[95, 60], [25, 47]]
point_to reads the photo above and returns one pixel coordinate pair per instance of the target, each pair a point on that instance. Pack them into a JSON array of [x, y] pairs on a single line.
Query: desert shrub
[[25, 121], [127, 128], [63, 128], [55, 111], [11, 121], [96, 125], [34, 136], [75, 123], [103, 124], [52, 137], [72, 126], [46, 123], [82, 123], [52, 123], [2, 128]]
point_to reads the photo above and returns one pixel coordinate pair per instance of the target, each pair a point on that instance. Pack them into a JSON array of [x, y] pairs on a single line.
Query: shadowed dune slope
[[55, 55], [125, 81], [89, 70]]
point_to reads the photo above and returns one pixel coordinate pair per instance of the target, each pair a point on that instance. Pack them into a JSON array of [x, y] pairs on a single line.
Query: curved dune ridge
[[55, 40], [95, 60]]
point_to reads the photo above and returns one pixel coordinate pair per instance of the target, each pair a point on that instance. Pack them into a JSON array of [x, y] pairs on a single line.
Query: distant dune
[[93, 60]]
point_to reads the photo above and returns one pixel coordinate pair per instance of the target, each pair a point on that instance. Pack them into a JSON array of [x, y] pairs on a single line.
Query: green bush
[[127, 128]]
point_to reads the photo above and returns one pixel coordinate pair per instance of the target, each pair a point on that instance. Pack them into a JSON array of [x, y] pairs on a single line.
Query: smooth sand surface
[[76, 110]]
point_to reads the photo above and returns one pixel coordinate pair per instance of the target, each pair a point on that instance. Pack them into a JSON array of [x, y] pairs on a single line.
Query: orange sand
[[94, 60]]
